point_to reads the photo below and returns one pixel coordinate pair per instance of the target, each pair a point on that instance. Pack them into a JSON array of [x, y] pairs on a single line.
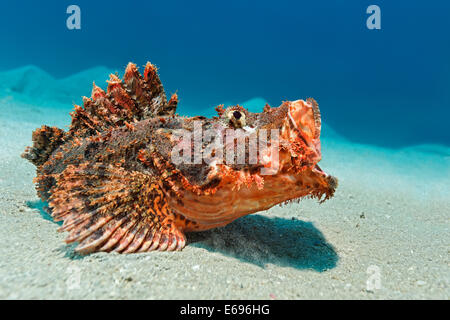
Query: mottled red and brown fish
[[113, 182]]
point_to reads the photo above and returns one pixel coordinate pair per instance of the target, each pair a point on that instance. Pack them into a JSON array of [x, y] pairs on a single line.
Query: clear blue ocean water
[[388, 87]]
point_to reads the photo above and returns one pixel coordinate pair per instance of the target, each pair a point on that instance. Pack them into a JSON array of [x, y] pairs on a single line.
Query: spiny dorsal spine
[[131, 99]]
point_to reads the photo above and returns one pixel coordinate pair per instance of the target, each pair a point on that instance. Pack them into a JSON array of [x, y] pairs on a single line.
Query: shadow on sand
[[254, 239], [43, 210], [67, 249], [261, 240]]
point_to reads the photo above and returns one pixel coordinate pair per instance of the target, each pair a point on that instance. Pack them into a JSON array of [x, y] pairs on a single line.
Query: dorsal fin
[[131, 99]]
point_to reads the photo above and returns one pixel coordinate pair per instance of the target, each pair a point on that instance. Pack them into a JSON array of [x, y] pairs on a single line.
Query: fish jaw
[[230, 203]]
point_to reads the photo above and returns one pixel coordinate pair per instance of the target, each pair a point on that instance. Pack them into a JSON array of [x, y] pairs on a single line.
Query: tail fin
[[45, 141]]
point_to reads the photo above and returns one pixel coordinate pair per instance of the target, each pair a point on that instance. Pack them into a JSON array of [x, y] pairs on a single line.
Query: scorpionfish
[[131, 175]]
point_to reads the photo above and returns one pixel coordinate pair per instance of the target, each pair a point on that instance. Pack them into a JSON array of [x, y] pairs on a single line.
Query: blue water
[[388, 87]]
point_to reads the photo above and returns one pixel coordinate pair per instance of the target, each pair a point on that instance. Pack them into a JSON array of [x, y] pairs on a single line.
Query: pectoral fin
[[107, 208]]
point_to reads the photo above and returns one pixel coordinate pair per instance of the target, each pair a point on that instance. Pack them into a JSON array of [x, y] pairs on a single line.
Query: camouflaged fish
[[112, 180]]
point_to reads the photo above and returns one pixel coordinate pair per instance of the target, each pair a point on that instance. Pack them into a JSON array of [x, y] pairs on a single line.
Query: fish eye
[[236, 118], [237, 114]]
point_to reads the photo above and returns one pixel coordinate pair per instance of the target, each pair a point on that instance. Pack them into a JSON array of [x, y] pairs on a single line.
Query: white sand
[[391, 211]]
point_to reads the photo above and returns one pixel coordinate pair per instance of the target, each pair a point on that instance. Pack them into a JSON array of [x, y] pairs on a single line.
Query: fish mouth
[[229, 203], [327, 183]]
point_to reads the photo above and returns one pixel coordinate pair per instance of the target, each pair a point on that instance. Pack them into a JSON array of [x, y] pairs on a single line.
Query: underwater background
[[388, 87], [385, 104]]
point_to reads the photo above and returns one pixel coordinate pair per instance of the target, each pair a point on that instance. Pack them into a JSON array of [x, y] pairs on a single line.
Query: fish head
[[242, 162]]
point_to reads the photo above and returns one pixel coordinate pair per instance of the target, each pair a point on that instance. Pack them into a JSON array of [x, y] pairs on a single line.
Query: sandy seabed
[[385, 234]]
